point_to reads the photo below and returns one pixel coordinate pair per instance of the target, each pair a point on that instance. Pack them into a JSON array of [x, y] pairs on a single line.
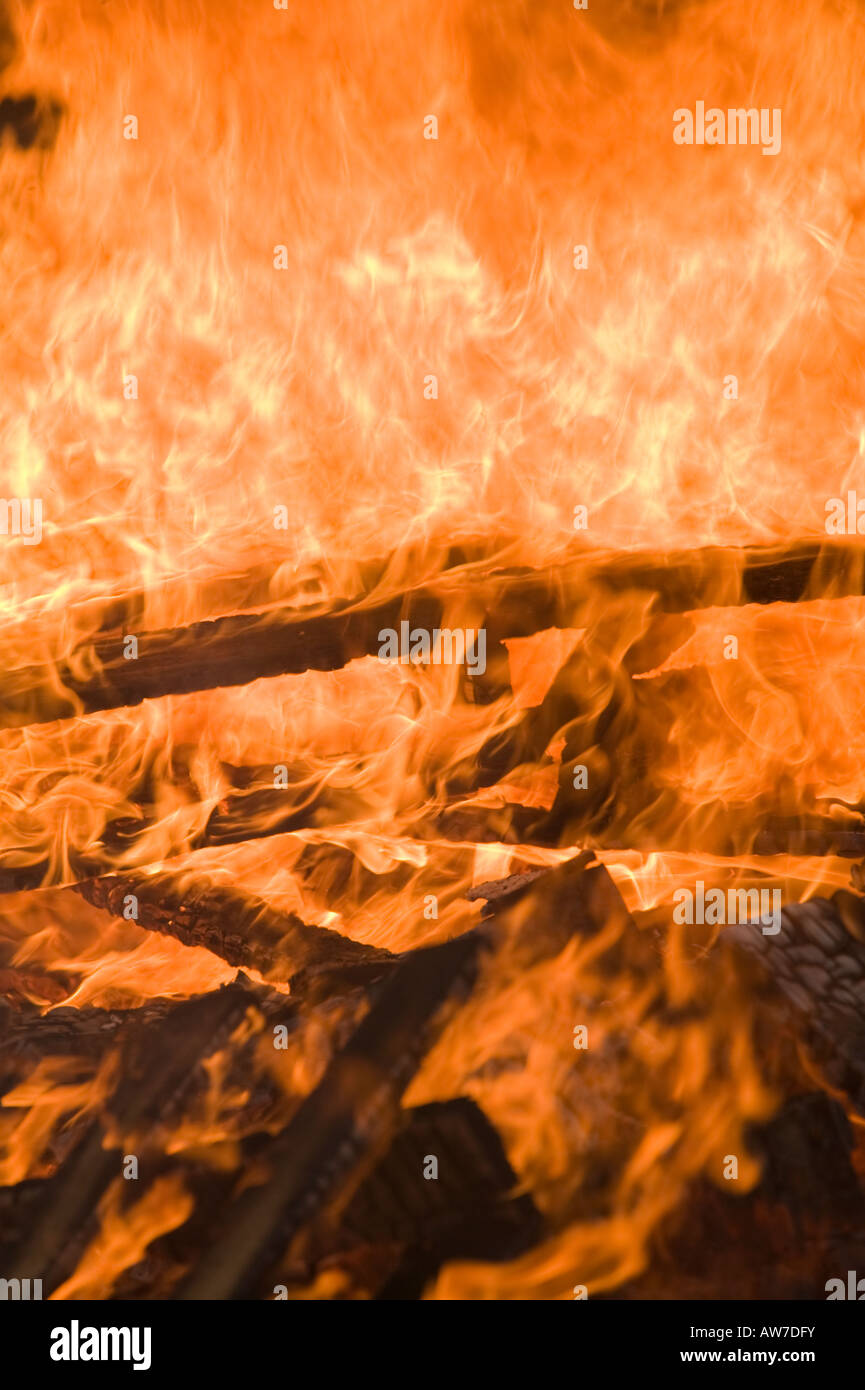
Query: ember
[[432, 849]]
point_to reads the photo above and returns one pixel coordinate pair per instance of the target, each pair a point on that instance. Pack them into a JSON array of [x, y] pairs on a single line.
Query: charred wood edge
[[275, 584], [157, 1067], [237, 649], [493, 891], [816, 962], [239, 927], [27, 1034], [346, 1122]]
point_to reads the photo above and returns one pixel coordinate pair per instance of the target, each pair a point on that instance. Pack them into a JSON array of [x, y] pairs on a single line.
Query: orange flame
[[265, 343]]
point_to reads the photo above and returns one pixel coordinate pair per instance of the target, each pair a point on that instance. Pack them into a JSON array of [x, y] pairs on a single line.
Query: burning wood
[[350, 1116], [240, 928], [360, 556], [354, 1113], [182, 1037], [122, 669], [464, 1208], [803, 1220], [27, 1036], [21, 985], [819, 966]]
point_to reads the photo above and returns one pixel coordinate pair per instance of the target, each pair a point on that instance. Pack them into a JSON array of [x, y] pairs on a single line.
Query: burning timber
[[341, 1125], [319, 1165], [239, 648], [817, 963], [258, 809], [28, 1036], [333, 1139], [182, 1038], [239, 927], [629, 464]]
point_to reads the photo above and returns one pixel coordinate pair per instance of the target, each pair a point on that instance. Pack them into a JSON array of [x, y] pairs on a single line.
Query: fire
[[53, 1092], [124, 1237], [296, 320]]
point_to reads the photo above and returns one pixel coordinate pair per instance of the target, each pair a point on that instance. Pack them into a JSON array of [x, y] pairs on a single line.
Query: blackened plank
[[235, 925]]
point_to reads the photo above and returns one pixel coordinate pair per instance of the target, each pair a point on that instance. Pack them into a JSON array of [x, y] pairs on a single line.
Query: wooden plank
[[237, 926], [239, 648]]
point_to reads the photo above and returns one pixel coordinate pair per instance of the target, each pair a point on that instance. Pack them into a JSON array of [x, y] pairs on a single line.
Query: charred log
[[317, 1165], [799, 1227], [343, 1126], [157, 1067], [818, 966], [233, 650], [20, 987], [237, 926], [237, 649], [27, 1035], [398, 1228]]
